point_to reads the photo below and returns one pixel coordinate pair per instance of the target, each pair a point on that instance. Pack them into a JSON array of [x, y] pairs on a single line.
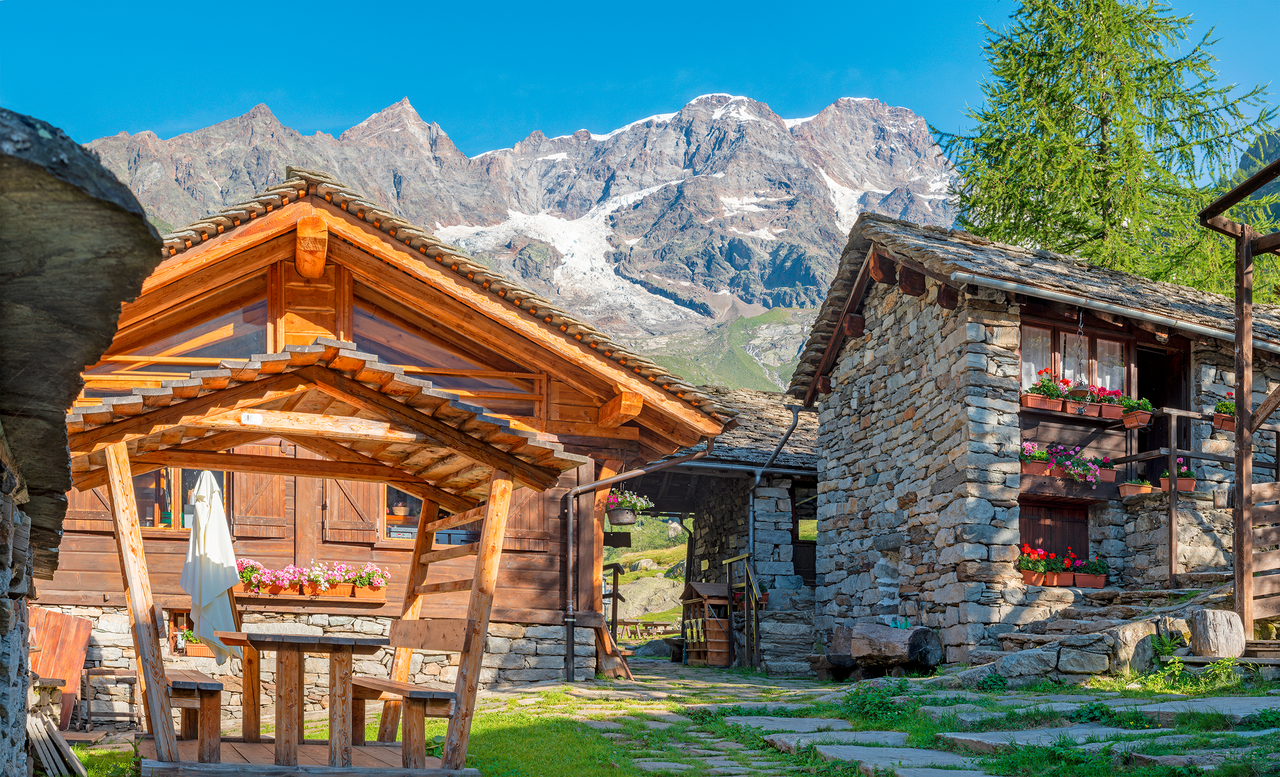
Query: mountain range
[[703, 237]]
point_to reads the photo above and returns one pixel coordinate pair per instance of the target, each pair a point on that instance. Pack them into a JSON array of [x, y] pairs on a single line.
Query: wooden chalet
[[396, 323]]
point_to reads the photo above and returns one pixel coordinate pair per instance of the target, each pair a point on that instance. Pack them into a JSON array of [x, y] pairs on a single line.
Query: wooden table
[[290, 649]]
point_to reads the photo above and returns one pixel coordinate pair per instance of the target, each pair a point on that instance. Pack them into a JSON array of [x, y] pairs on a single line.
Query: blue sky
[[491, 73]]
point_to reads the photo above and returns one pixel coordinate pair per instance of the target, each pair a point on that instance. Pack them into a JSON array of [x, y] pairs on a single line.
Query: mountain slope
[[677, 223]]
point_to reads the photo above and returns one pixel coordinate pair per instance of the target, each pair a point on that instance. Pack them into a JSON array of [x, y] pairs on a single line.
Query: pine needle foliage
[[1099, 126]]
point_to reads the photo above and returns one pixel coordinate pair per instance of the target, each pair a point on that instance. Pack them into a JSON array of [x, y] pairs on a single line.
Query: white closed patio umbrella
[[210, 569]]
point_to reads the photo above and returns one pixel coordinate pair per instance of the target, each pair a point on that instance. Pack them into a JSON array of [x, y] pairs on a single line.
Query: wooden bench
[[199, 696]]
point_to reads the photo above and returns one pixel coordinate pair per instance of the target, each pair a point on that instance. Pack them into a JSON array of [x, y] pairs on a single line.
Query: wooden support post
[[854, 325], [486, 578], [911, 282], [251, 682], [142, 611], [948, 297], [413, 745], [622, 408], [209, 747], [1243, 542], [340, 707], [288, 702], [883, 270], [357, 722], [410, 609]]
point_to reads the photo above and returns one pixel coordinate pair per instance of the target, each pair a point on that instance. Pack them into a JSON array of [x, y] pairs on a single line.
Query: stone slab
[[1133, 744], [790, 743], [797, 725], [662, 766], [870, 759], [926, 772], [995, 741], [938, 713], [772, 706], [1236, 708]]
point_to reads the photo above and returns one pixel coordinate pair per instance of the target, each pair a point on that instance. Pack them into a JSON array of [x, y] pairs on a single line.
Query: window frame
[[1093, 333]]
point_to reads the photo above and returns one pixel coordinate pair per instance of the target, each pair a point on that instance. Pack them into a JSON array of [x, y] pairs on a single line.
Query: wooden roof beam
[[274, 422], [837, 339], [275, 465], [311, 247], [621, 409], [214, 442], [362, 397]]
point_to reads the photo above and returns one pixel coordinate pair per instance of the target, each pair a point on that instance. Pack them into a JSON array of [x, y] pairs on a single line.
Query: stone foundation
[[514, 654], [1133, 536]]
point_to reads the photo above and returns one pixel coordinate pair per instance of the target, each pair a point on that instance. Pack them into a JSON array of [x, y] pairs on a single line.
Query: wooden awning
[[366, 419]]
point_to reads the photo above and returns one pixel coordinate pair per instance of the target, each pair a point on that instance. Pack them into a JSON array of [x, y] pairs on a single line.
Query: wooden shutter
[[1055, 528], [88, 510], [258, 502], [527, 520], [351, 511]]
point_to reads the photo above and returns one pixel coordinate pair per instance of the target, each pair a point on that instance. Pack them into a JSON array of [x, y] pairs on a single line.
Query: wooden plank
[[288, 704], [275, 465], [340, 708], [450, 551], [1265, 409], [486, 576], [434, 634], [448, 587], [1266, 585], [1265, 562], [1266, 536], [836, 342], [331, 427], [410, 609], [1266, 608], [63, 749], [311, 247], [1265, 492], [413, 745], [621, 409], [142, 611], [210, 727], [1245, 491], [358, 395]]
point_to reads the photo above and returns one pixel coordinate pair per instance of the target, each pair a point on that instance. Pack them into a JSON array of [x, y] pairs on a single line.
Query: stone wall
[[917, 513], [514, 654], [15, 572], [1133, 536], [719, 528]]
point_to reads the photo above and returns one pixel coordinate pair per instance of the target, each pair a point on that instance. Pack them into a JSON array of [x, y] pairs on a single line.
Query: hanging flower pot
[[1226, 423], [1087, 409], [1136, 419], [621, 516]]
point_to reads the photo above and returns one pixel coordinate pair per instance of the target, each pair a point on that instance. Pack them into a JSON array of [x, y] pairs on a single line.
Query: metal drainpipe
[[751, 494], [569, 619]]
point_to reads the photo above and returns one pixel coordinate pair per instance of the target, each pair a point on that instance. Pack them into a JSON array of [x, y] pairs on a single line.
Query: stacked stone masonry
[[514, 654], [15, 570]]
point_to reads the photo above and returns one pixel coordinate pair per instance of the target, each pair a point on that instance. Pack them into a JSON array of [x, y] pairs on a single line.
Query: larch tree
[[1103, 132]]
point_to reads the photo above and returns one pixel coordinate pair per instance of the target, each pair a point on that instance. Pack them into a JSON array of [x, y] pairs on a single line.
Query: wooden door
[[527, 528], [259, 506], [351, 511], [88, 511], [1055, 528]]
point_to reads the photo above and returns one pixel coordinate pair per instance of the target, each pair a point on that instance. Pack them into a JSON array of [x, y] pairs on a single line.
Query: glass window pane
[[152, 494], [189, 479], [1075, 357], [1111, 365], [402, 514], [1037, 352]]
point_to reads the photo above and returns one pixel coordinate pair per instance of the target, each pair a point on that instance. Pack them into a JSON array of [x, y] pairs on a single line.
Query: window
[[1095, 359], [403, 511]]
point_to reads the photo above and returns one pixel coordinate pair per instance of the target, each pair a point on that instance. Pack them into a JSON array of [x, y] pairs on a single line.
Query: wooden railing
[[614, 597], [751, 609]]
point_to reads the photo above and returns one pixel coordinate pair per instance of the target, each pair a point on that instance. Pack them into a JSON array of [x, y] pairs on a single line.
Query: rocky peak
[[400, 127]]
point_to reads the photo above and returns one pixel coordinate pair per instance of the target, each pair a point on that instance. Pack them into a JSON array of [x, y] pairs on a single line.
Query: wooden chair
[[417, 703], [199, 696]]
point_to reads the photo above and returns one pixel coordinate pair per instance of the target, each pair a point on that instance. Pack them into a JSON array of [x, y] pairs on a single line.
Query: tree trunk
[[1217, 633], [874, 644]]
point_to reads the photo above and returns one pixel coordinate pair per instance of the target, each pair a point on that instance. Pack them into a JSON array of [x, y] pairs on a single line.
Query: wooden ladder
[[474, 629]]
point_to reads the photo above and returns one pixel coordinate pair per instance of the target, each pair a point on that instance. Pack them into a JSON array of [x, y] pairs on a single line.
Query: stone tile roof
[[945, 251], [429, 459], [301, 183], [763, 417]]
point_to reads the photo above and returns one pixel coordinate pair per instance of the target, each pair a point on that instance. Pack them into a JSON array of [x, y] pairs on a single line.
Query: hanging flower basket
[[1136, 419], [1226, 423], [621, 516]]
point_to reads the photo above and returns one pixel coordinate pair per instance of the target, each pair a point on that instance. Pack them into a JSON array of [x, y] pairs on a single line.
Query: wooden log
[[142, 611], [911, 282], [478, 609], [854, 325], [312, 245], [875, 644], [340, 707], [1218, 633], [883, 270], [622, 408]]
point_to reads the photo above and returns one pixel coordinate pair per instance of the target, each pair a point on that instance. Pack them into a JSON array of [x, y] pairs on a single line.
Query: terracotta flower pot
[[313, 589], [1035, 468], [1058, 471], [243, 588], [1226, 423], [278, 590], [1032, 578], [621, 516], [1090, 581], [1060, 579], [1108, 410], [1184, 484], [1041, 402], [1136, 419], [369, 592], [198, 650], [1106, 475], [1077, 408], [1134, 489], [341, 590]]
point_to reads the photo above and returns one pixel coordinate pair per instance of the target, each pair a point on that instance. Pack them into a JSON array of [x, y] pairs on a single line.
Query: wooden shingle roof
[[301, 183]]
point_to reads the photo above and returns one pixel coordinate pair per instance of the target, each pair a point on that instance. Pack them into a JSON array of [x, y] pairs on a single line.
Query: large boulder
[[1217, 633]]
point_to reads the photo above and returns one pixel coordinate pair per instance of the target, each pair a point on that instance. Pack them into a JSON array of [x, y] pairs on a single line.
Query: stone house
[[773, 519], [916, 364], [74, 243]]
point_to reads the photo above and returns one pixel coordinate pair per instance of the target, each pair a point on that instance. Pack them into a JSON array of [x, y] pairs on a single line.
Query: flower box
[[342, 590], [1107, 410], [1059, 579], [1134, 489], [369, 592], [198, 650], [1106, 475], [1032, 578], [1184, 484], [1136, 419], [1090, 581], [1057, 471], [1035, 468], [1080, 408], [1041, 402], [1226, 423]]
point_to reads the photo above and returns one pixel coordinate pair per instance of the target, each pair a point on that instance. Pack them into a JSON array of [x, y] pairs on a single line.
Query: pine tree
[[1099, 137]]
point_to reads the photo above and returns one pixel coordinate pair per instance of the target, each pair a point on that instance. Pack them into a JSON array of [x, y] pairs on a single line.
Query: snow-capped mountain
[[670, 224]]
